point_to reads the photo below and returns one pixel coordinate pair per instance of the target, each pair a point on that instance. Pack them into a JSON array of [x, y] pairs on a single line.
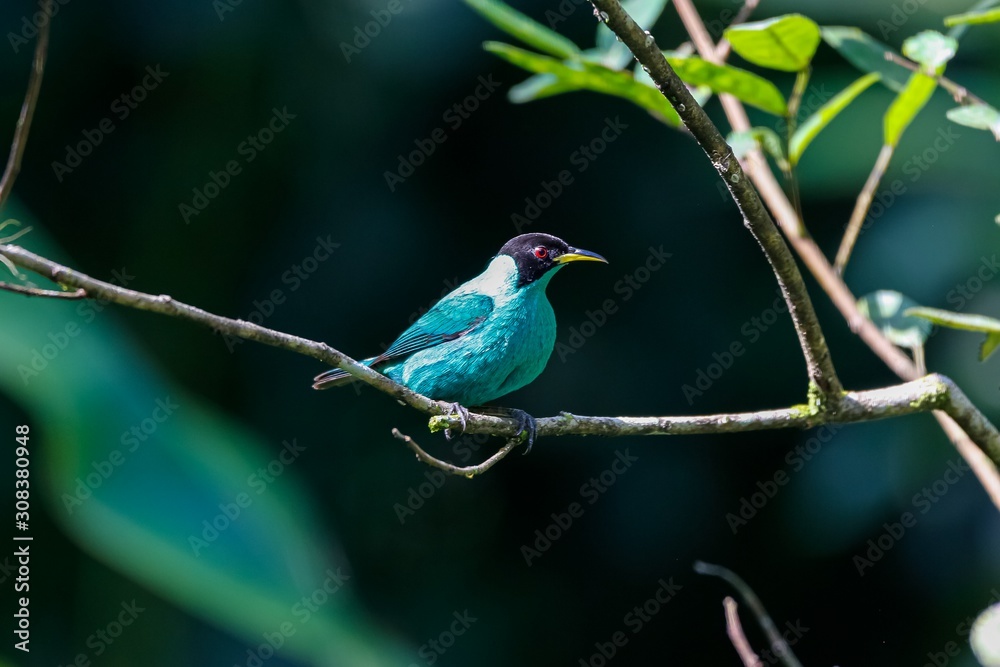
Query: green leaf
[[538, 87], [784, 43], [613, 53], [587, 76], [889, 311], [981, 323], [978, 116], [973, 18], [701, 94], [906, 106], [867, 54], [763, 137], [989, 346], [930, 48], [824, 116], [526, 29], [952, 320], [616, 56], [746, 86]]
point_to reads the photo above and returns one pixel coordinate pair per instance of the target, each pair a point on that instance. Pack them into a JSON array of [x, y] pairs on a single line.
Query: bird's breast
[[504, 353]]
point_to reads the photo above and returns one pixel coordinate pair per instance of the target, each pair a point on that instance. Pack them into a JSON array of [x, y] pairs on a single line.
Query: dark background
[[339, 503]]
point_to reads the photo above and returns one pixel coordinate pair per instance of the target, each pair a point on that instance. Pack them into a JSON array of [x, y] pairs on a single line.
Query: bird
[[486, 338]]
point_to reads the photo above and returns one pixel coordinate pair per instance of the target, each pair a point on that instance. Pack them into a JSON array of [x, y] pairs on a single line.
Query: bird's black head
[[536, 254]]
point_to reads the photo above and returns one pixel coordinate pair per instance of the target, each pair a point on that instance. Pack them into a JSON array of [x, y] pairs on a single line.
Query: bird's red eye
[[541, 252]]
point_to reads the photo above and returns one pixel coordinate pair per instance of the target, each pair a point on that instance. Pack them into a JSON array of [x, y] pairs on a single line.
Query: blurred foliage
[[399, 169], [893, 314], [987, 325]]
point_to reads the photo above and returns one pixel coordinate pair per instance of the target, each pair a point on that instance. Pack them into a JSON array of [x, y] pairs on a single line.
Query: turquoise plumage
[[490, 336]]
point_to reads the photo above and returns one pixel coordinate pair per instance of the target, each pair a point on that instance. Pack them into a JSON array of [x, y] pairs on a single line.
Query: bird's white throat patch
[[499, 281]]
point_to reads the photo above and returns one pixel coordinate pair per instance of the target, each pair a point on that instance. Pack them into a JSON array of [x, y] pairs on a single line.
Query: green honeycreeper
[[487, 337]]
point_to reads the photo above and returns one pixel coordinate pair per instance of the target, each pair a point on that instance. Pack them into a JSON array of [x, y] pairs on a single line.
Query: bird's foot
[[463, 418], [525, 424]]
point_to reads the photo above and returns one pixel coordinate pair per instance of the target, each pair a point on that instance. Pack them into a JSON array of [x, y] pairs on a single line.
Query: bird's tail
[[335, 377]]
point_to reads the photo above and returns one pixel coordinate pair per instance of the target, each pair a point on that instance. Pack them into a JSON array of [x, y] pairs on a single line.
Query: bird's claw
[[463, 419], [525, 424]]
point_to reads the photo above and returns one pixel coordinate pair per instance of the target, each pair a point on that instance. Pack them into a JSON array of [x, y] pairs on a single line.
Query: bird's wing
[[452, 317]]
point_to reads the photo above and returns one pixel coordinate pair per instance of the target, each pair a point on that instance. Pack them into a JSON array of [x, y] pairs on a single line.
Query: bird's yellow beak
[[578, 255]]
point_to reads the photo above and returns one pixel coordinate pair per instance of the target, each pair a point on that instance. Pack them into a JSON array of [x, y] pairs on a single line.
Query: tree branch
[[755, 216], [933, 392], [736, 635], [840, 294], [723, 48], [779, 646], [166, 305], [27, 113], [47, 293], [861, 207], [957, 91], [466, 471]]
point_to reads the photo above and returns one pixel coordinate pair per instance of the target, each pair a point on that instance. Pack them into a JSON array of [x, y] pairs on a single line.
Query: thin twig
[[464, 471], [16, 235], [861, 207], [27, 113], [47, 293], [167, 305], [806, 248], [927, 393], [723, 47], [933, 392], [756, 218], [736, 636], [919, 360], [8, 239], [779, 646], [791, 122], [960, 93], [864, 201], [841, 296], [733, 107], [700, 36]]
